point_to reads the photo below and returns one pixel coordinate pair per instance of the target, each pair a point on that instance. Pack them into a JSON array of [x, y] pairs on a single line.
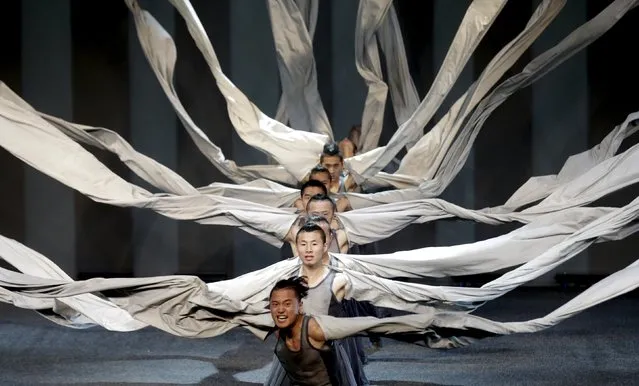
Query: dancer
[[327, 288], [308, 190], [331, 236], [321, 174], [333, 160], [348, 146], [322, 205], [301, 347]]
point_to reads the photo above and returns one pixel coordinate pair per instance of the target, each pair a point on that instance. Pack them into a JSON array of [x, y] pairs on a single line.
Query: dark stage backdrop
[[81, 61]]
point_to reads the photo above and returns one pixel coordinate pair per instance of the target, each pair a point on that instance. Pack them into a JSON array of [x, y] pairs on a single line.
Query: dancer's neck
[[314, 274]]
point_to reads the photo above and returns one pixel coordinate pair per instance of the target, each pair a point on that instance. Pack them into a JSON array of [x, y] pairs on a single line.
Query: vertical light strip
[[153, 133], [446, 19], [47, 86], [560, 122]]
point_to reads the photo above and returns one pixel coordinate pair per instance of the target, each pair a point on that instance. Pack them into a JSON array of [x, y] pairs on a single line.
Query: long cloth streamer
[[544, 14], [185, 306], [159, 48], [423, 166], [300, 103], [616, 225], [309, 10], [402, 89], [272, 194], [370, 15], [297, 151], [41, 145], [573, 43], [540, 246]]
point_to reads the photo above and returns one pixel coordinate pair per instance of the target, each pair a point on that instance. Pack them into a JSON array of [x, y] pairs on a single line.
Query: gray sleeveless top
[[307, 366], [320, 299], [342, 183], [334, 245]]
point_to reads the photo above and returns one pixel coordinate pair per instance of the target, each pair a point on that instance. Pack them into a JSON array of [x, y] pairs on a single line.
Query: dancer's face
[[310, 192], [285, 307], [311, 248], [334, 164], [321, 208], [324, 178]]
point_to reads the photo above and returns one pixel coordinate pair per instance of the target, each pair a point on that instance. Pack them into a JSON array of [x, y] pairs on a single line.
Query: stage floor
[[597, 347]]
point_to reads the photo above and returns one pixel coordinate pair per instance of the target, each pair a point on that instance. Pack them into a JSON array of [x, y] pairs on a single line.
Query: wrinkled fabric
[[185, 306], [542, 64], [370, 15], [296, 150], [159, 48], [281, 142], [476, 22], [424, 159], [290, 148], [293, 25], [556, 228], [273, 194], [52, 152], [403, 92]]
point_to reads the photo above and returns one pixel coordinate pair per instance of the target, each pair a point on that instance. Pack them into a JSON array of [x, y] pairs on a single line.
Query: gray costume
[[309, 365], [349, 367]]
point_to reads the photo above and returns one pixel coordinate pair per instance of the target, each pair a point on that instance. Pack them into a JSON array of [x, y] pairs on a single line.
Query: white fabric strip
[[573, 43], [400, 83], [300, 99], [430, 187], [280, 141], [159, 48], [439, 174], [424, 160], [145, 304], [476, 22], [370, 15], [296, 150], [41, 145], [272, 194]]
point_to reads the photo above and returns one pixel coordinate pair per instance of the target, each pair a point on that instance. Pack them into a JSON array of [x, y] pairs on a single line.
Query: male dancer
[[321, 174], [331, 236], [326, 290], [308, 190], [324, 206], [332, 159], [348, 145], [301, 347]]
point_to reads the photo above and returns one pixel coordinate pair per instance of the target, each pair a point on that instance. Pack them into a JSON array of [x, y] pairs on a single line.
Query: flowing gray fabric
[[478, 18], [293, 24], [424, 159], [278, 136], [272, 194], [162, 59], [295, 150], [370, 14], [557, 228], [185, 306], [539, 246], [573, 43], [53, 153], [400, 83]]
